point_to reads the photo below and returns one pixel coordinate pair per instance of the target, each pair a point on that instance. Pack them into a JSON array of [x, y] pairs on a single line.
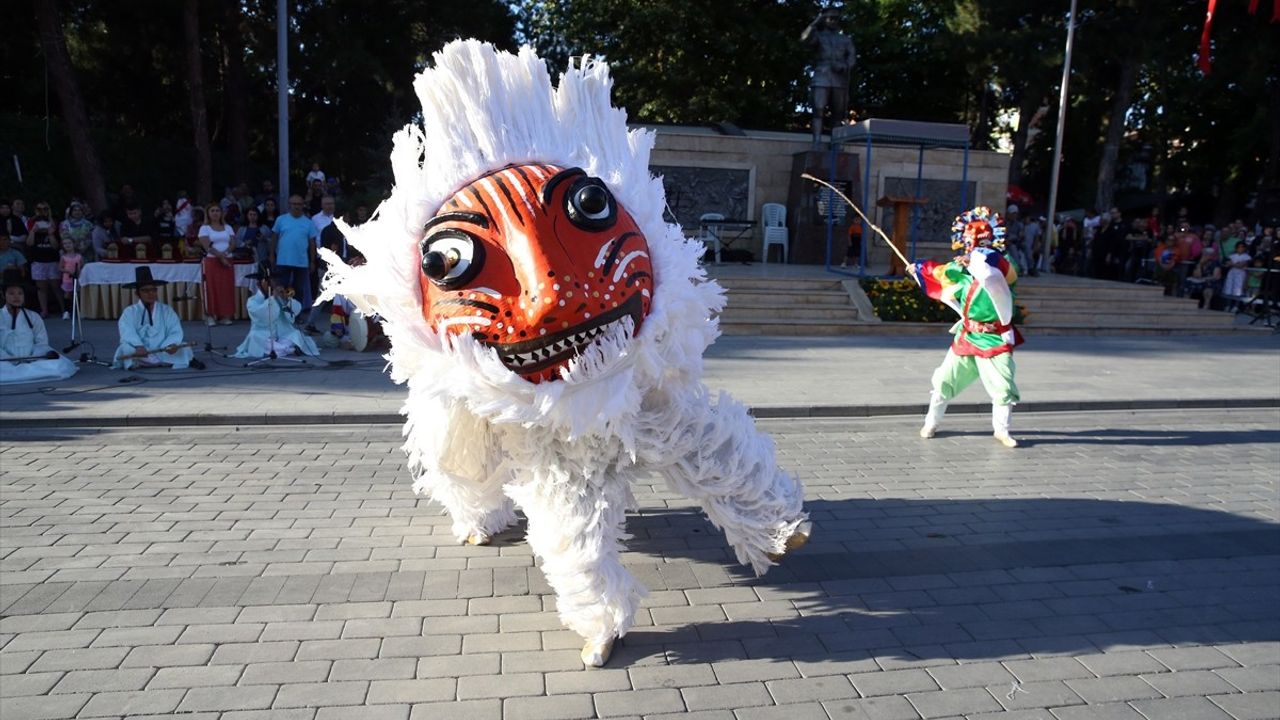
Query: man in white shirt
[[323, 218]]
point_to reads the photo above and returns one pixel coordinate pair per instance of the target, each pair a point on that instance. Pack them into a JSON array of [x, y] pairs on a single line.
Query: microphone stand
[[77, 328], [272, 311]]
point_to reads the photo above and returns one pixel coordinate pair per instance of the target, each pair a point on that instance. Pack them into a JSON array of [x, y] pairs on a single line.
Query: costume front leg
[[728, 466], [576, 529], [456, 460]]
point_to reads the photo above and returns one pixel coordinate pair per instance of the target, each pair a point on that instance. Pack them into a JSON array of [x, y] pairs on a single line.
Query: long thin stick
[[851, 204]]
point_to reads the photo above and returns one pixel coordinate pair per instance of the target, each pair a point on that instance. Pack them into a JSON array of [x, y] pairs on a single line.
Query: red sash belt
[[992, 328]]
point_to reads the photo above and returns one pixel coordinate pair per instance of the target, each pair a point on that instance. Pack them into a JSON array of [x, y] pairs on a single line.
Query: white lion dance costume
[[550, 328]]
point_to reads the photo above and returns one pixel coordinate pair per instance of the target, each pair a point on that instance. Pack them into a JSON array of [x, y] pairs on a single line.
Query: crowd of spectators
[[50, 249], [1221, 267]]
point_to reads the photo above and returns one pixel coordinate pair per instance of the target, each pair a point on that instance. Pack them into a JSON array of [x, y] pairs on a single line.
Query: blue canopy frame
[[923, 136]]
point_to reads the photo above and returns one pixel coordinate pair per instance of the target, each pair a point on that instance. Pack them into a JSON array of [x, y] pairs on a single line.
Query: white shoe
[[1006, 440], [928, 431], [477, 538], [596, 655], [224, 321], [66, 316], [208, 320]]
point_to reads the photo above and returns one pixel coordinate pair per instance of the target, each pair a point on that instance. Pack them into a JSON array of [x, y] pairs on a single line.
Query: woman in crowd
[[42, 252], [78, 229], [1206, 278], [254, 236], [218, 240], [267, 213]]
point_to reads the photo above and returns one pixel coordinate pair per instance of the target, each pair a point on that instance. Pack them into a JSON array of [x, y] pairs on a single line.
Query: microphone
[[74, 344]]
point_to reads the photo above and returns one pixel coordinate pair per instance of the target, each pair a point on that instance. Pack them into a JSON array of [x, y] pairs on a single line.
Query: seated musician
[[272, 310], [25, 355], [150, 331]]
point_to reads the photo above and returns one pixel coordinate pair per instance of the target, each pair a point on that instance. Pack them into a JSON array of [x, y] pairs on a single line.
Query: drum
[[358, 330], [365, 333]]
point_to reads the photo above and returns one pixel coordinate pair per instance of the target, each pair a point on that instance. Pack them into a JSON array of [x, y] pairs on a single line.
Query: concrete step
[[758, 313], [843, 328], [1121, 292], [1092, 307], [1133, 319], [788, 297], [780, 283]]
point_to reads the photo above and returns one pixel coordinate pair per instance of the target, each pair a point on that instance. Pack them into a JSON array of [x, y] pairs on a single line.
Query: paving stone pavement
[[1119, 565]]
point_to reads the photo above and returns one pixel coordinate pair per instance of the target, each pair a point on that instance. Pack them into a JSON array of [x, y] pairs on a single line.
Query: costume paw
[[1006, 441], [477, 538], [928, 431], [795, 542], [597, 654]]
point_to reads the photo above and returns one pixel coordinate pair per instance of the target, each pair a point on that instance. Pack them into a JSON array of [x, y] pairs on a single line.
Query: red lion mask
[[536, 262]]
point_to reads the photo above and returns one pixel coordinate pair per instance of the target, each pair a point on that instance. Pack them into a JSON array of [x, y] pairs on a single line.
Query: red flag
[[1253, 6], [1203, 60]]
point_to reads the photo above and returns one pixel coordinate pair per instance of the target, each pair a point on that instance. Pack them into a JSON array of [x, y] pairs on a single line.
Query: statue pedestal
[[807, 205], [901, 227]]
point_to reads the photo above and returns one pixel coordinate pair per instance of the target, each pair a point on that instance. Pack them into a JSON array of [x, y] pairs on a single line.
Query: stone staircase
[[1075, 306], [826, 305], [788, 306]]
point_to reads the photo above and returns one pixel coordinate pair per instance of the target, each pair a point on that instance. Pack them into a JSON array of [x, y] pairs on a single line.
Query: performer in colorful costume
[[979, 286], [550, 328], [23, 335]]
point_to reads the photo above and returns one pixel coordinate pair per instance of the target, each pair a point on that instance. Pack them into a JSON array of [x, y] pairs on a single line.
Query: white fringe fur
[[480, 439]]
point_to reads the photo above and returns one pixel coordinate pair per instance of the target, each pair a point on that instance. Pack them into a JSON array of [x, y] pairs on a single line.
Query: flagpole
[[282, 103], [1051, 233]]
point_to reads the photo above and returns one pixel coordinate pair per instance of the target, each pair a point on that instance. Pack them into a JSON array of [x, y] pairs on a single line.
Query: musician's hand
[[139, 351], [171, 349], [51, 355]]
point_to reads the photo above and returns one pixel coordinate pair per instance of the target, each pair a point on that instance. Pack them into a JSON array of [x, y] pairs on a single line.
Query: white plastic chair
[[775, 229], [710, 232]]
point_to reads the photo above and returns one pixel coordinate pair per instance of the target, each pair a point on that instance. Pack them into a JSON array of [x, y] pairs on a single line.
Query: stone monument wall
[[706, 171]]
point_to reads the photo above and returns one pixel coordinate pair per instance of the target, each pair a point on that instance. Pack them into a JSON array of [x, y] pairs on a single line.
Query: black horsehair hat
[[12, 278], [142, 278]]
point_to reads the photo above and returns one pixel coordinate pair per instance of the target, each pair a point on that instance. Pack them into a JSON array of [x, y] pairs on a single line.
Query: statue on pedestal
[[834, 58]]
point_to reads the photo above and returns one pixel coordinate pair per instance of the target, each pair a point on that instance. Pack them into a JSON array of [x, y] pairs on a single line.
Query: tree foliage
[[994, 65]]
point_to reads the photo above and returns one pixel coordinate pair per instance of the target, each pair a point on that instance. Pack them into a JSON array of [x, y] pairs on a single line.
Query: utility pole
[[1051, 234]]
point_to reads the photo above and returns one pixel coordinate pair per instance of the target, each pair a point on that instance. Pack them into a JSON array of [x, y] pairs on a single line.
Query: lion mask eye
[[590, 205], [450, 258]]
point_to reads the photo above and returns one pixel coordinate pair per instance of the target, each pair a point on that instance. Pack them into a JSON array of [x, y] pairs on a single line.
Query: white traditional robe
[[24, 335], [270, 327], [154, 331]]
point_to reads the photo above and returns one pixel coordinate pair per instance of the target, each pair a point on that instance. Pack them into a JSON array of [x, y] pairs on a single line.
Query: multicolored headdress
[[977, 227]]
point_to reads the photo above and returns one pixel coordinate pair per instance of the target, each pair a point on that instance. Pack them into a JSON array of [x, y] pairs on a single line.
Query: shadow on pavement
[[1091, 576]]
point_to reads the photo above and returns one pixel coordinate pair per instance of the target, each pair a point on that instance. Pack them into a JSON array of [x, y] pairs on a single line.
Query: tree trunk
[[195, 92], [1027, 106], [1115, 131], [54, 44], [233, 93]]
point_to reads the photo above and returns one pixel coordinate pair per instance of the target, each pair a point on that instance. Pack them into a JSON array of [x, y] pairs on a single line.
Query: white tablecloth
[[103, 297], [100, 273]]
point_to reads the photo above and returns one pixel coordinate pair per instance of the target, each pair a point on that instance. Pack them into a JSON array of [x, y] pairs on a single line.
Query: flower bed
[[902, 301]]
